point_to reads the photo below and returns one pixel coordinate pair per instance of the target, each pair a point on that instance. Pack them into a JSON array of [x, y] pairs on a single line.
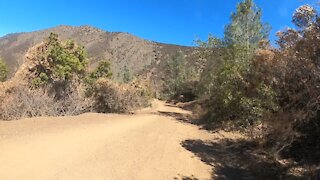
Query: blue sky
[[167, 21]]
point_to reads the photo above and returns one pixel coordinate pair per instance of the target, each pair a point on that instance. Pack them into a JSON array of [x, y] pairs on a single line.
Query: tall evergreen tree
[[245, 31]]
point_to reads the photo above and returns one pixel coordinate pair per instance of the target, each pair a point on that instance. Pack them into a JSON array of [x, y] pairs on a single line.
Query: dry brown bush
[[113, 97], [22, 102], [293, 131]]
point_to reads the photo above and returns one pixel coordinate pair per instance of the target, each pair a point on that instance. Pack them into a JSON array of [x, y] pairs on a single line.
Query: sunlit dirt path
[[146, 145]]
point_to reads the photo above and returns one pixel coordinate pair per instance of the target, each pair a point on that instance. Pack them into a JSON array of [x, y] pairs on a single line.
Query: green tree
[[235, 51], [127, 76], [177, 75], [243, 34], [3, 71], [61, 62], [103, 70], [210, 53], [229, 91]]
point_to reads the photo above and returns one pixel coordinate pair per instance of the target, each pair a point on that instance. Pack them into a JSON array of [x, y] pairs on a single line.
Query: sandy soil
[[146, 145]]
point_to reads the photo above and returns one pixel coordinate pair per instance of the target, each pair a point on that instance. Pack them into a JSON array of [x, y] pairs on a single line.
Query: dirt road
[[146, 145]]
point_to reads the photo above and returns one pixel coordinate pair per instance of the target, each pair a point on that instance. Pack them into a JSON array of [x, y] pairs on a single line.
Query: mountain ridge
[[122, 49]]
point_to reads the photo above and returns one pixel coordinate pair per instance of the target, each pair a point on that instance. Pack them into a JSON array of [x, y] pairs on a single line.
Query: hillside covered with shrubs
[[54, 81]]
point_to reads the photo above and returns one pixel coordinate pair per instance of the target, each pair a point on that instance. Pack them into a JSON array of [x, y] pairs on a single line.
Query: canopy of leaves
[[246, 27]]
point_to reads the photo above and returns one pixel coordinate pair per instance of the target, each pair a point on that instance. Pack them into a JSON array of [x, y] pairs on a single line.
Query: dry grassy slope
[[122, 49]]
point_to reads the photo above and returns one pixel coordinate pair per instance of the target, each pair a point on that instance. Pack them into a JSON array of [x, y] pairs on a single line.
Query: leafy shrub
[[3, 71]]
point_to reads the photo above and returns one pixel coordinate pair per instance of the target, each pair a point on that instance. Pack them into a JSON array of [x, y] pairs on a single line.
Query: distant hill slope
[[121, 49]]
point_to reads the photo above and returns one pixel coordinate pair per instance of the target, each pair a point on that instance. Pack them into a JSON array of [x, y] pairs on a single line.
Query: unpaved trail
[[146, 145]]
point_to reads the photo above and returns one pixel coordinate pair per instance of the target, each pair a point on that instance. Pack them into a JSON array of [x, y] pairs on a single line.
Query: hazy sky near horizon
[[167, 21]]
